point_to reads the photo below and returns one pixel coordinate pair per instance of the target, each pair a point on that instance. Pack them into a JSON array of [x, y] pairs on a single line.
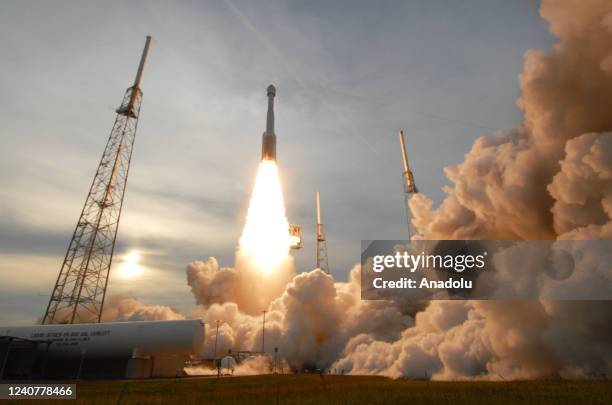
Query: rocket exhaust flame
[[265, 238]]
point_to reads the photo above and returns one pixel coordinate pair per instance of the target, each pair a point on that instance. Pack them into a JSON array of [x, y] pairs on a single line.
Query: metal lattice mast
[[80, 289], [321, 243], [410, 187]]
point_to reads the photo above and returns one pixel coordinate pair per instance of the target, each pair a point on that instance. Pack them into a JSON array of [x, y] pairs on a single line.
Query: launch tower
[[321, 242], [408, 180], [78, 295]]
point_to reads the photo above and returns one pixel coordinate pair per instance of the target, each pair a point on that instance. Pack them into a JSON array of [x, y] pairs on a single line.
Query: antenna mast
[[80, 289], [321, 242], [409, 185]]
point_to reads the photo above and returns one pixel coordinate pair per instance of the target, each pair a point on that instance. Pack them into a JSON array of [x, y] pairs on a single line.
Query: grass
[[313, 389]]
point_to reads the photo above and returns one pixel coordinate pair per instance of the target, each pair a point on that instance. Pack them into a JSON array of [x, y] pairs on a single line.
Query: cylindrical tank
[[115, 339]]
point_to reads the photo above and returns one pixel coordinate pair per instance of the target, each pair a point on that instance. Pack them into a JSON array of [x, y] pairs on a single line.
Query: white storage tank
[[116, 339]]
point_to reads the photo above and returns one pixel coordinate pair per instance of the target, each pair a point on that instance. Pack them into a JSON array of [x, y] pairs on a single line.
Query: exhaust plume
[[263, 264], [265, 239]]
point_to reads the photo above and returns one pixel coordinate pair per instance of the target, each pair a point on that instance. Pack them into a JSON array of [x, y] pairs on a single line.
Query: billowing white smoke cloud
[[124, 307], [128, 308], [309, 323], [256, 365], [501, 189], [549, 178], [582, 189], [245, 285], [210, 284], [252, 365]]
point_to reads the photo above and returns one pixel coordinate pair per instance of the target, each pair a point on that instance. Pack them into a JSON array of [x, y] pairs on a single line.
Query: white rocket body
[[268, 142]]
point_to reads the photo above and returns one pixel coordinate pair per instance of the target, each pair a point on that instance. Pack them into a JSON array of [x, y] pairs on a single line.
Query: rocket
[[268, 140]]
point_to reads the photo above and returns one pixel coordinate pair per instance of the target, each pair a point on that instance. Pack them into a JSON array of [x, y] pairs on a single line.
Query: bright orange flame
[[265, 238]]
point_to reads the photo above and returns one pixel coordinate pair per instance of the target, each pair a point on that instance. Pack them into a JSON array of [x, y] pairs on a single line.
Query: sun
[[130, 265]]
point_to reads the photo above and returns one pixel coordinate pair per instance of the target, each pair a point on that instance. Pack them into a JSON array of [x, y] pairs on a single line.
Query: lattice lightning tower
[[78, 295], [410, 187], [321, 242]]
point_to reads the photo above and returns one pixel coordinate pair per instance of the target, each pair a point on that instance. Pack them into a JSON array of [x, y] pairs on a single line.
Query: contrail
[[267, 43], [281, 57]]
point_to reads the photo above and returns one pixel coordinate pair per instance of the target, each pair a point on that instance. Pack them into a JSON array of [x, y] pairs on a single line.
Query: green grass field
[[312, 389]]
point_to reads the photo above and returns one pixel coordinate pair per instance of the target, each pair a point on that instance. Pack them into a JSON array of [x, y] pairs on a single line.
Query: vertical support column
[[408, 183], [81, 361], [263, 333], [322, 262], [6, 356], [80, 288]]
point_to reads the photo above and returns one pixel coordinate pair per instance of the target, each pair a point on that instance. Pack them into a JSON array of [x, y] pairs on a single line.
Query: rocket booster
[[268, 141]]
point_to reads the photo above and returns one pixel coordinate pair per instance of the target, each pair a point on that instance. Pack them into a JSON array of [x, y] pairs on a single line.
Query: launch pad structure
[[322, 262], [410, 187], [80, 289]]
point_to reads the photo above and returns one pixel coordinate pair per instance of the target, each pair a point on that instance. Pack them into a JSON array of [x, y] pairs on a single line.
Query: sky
[[348, 75]]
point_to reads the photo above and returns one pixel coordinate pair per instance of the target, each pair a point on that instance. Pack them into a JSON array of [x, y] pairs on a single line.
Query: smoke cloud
[[128, 308], [309, 323], [122, 308], [245, 285], [501, 190], [549, 178]]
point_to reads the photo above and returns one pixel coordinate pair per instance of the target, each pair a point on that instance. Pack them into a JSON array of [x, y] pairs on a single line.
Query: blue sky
[[348, 75]]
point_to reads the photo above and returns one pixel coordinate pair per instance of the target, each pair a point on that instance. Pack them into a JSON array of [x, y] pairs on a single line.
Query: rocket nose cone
[[271, 90]]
